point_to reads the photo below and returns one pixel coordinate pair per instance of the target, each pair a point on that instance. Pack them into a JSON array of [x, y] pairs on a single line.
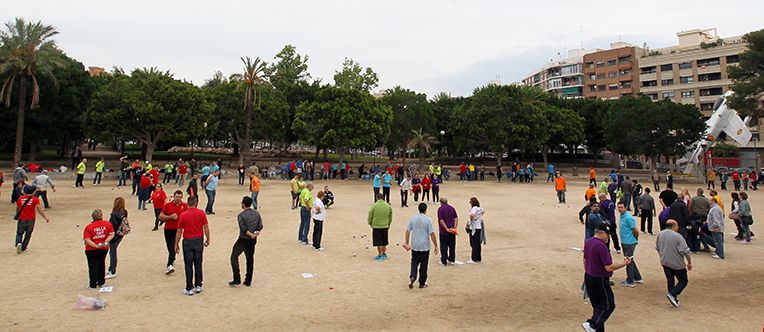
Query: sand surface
[[529, 279]]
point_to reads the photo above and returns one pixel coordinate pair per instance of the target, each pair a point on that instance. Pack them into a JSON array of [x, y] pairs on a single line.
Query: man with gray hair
[[715, 223], [673, 250], [448, 222], [41, 183]]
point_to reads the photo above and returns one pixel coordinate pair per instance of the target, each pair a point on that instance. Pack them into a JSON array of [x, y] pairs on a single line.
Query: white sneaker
[[457, 262], [471, 262], [18, 249], [320, 249], [188, 292], [169, 270], [110, 276], [587, 327], [198, 289], [715, 256]]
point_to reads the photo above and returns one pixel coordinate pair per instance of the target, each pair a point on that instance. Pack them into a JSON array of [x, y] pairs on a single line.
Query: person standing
[[607, 208], [599, 267], [636, 192], [195, 231], [416, 187], [673, 250], [736, 180], [97, 236], [241, 171], [99, 166], [254, 188], [448, 223], [306, 203], [76, 156], [26, 206], [629, 241], [498, 173], [744, 175], [116, 218], [560, 185], [593, 220], [19, 179], [592, 176], [711, 178], [648, 211], [723, 178], [137, 174], [158, 199], [81, 168], [426, 185], [182, 171], [405, 187], [144, 191], [680, 212], [297, 185], [420, 230], [627, 188], [210, 188], [475, 231], [550, 173], [205, 172], [699, 207], [387, 180], [318, 211], [124, 171], [41, 183], [376, 184], [170, 214], [250, 226], [716, 227], [746, 219], [380, 218], [436, 189], [193, 188]]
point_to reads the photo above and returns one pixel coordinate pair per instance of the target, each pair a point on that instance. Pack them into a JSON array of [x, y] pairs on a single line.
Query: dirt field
[[529, 279]]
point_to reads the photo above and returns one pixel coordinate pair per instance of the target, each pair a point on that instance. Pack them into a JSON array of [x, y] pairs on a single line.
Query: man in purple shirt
[[447, 224], [599, 267], [607, 208]]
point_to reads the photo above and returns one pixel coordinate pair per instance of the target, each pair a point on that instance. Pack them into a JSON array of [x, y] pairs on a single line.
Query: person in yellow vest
[[472, 172], [100, 165], [439, 171], [80, 173]]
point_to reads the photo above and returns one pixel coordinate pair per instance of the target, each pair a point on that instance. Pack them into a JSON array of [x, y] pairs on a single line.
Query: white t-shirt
[[476, 217], [319, 205]]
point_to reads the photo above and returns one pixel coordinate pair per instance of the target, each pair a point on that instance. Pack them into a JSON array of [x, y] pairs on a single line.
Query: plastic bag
[[89, 303]]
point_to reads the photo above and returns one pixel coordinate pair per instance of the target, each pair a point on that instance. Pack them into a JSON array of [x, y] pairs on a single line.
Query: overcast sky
[[428, 46]]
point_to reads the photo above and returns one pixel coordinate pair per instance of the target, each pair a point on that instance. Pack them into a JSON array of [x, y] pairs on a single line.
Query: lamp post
[[443, 142]]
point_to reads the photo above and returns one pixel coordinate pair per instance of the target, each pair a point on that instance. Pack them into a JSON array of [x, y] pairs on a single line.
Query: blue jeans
[[632, 272], [113, 253], [302, 234], [254, 199], [210, 200], [561, 196], [719, 242]]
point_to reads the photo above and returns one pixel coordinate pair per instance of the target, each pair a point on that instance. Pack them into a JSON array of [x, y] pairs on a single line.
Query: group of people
[[742, 180]]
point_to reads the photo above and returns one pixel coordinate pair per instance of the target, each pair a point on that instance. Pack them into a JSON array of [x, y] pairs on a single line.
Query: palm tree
[[423, 142], [253, 75], [26, 53]]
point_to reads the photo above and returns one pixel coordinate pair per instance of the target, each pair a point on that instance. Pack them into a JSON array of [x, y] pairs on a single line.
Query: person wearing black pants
[[602, 300], [418, 230], [447, 248], [97, 235], [646, 216], [476, 244], [193, 249], [193, 228], [96, 267], [169, 239], [386, 193], [676, 280], [250, 225]]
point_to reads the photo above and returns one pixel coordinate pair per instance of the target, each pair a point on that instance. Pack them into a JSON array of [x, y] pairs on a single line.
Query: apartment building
[[692, 72], [563, 78], [612, 73]]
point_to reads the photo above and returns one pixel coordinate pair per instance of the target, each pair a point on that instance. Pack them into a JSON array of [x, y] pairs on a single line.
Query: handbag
[[18, 213], [124, 227], [734, 216], [746, 220]]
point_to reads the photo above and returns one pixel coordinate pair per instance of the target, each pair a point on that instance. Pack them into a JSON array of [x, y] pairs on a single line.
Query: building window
[[611, 62], [624, 59], [600, 76], [707, 106], [649, 83], [733, 58], [612, 74], [708, 62], [685, 65], [709, 77], [669, 81], [647, 70], [669, 95], [685, 79], [626, 85], [688, 94], [590, 65], [626, 72], [710, 92], [601, 87], [668, 67], [599, 64], [653, 96], [592, 77], [592, 88], [570, 70], [613, 87]]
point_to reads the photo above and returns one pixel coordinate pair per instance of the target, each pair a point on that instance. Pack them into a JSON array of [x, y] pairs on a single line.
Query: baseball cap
[[602, 228]]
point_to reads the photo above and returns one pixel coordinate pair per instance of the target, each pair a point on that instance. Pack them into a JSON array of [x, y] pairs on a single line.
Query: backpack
[[124, 227]]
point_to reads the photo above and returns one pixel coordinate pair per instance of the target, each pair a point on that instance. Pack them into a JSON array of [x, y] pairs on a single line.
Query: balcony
[[685, 72], [709, 99], [709, 69], [687, 101], [648, 77]]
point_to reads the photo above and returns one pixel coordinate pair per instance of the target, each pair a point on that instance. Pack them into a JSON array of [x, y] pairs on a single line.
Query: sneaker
[[382, 258], [673, 300], [618, 252], [627, 284], [92, 288], [451, 263], [640, 281], [411, 284], [378, 257], [109, 275], [716, 256], [169, 270], [155, 229], [198, 289], [18, 249], [247, 283], [457, 262], [233, 283], [441, 264], [189, 292], [422, 286], [471, 262], [320, 249], [587, 327]]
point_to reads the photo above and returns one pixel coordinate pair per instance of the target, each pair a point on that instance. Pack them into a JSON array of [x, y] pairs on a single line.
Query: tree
[[353, 76], [564, 127], [410, 111], [444, 107], [147, 106], [252, 76], [748, 77], [421, 141], [288, 73], [594, 112], [27, 52], [343, 118], [627, 125]]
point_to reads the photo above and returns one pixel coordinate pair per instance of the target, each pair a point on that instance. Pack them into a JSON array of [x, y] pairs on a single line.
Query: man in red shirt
[[170, 214], [154, 176], [97, 235], [462, 171], [182, 171], [25, 207], [193, 228]]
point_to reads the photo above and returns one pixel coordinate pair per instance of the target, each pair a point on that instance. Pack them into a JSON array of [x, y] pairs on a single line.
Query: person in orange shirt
[[590, 192], [254, 188], [592, 176], [561, 187]]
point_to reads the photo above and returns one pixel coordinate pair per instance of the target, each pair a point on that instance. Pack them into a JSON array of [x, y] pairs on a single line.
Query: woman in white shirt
[[319, 215], [405, 187], [475, 230]]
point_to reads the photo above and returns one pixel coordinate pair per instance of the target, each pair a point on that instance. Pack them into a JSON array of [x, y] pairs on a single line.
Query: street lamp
[[443, 141]]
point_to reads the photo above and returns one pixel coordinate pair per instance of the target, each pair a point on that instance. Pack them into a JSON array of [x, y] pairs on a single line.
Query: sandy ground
[[529, 279]]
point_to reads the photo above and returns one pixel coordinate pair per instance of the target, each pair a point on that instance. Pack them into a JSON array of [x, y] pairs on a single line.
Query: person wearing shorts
[[380, 218]]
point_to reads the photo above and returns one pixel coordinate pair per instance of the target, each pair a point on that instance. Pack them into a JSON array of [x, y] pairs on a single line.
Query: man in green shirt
[[306, 204], [380, 218], [168, 170], [80, 174], [99, 172]]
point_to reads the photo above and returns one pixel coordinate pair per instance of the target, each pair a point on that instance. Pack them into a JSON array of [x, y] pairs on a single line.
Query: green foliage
[[288, 73], [411, 111], [564, 127], [594, 112], [353, 76], [725, 150], [748, 77]]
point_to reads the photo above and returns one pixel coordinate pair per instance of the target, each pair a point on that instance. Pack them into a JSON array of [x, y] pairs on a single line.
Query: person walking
[[636, 192], [210, 188], [193, 228], [405, 188], [193, 188], [421, 232], [41, 183], [599, 267], [99, 167], [19, 179], [475, 228], [746, 219], [170, 214], [380, 218], [97, 236], [592, 176], [448, 223], [629, 241], [673, 250], [158, 199], [182, 171], [387, 180], [117, 217], [648, 211], [318, 210], [560, 185], [144, 191], [306, 203], [716, 227], [27, 207], [250, 226], [81, 168], [254, 188]]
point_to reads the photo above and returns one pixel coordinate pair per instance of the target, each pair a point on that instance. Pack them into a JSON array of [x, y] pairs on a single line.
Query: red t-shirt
[[192, 222], [462, 168], [97, 231], [735, 176], [145, 181], [29, 210], [171, 208], [158, 198], [182, 169], [426, 182], [155, 173]]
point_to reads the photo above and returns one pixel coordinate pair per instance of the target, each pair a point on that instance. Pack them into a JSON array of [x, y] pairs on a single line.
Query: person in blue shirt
[[629, 234], [210, 188], [377, 183], [387, 179], [205, 172], [613, 176], [550, 173], [594, 219], [436, 181]]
